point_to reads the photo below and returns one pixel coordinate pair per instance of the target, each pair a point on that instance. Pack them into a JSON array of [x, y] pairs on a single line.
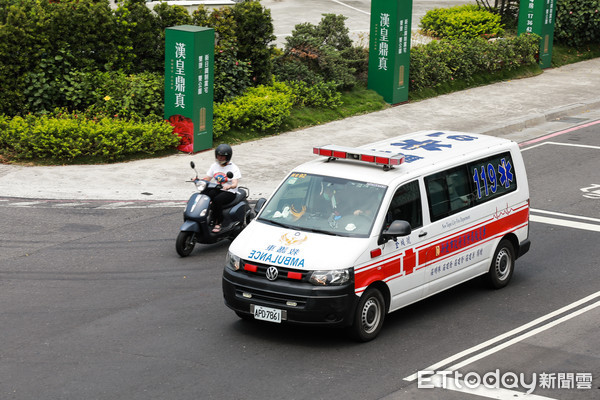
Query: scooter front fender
[[190, 226]]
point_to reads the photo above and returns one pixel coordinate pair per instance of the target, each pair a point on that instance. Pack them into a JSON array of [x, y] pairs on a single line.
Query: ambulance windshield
[[317, 203]]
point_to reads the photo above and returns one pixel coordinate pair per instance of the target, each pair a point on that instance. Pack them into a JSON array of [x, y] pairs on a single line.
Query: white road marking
[[26, 203], [535, 210], [491, 393], [564, 222], [499, 338], [354, 8], [501, 393], [532, 332], [585, 146], [70, 204], [575, 128]]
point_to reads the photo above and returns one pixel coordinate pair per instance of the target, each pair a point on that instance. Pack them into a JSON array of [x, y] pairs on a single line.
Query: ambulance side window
[[448, 192], [492, 177], [406, 205]]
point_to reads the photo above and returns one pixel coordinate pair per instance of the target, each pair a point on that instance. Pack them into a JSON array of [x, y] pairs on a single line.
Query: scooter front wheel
[[185, 243]]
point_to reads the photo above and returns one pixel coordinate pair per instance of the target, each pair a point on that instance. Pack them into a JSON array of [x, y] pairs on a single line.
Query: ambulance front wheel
[[502, 266], [369, 315]]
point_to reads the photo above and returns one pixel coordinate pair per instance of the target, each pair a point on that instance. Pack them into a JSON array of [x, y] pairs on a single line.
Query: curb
[[535, 119]]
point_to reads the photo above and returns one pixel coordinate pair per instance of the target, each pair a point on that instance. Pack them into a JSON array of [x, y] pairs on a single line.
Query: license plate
[[268, 314]]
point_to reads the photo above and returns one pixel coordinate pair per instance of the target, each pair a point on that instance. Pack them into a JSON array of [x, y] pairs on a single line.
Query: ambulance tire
[[369, 315], [502, 266]]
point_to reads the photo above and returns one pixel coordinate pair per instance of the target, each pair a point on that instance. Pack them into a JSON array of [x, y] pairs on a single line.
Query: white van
[[360, 232]]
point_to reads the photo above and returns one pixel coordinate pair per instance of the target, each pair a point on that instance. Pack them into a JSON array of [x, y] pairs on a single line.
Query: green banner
[[538, 16], [389, 49], [189, 85]]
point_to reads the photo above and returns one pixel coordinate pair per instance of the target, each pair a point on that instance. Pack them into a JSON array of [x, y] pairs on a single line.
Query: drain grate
[[570, 120]]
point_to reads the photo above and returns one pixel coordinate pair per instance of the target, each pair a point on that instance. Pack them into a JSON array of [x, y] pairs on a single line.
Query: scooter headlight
[[200, 185]]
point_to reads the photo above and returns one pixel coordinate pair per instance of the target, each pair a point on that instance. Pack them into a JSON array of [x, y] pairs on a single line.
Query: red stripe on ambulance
[[500, 224]]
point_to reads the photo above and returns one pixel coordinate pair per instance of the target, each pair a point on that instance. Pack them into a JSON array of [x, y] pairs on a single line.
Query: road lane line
[[537, 211], [354, 8], [565, 223], [499, 338], [585, 146], [519, 338]]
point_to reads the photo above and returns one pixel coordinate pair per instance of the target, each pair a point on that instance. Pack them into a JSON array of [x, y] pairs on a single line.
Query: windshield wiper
[[270, 221], [322, 231], [277, 223]]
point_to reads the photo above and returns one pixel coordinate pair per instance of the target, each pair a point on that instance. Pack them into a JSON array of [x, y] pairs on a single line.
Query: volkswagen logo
[[272, 273]]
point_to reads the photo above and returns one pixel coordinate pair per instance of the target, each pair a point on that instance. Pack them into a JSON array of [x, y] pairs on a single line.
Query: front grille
[[283, 273]]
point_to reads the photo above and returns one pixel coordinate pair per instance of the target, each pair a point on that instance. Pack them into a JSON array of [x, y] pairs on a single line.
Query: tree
[[507, 9]]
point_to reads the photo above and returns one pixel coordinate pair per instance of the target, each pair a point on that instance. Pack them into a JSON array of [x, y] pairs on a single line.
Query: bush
[[106, 93], [577, 22], [467, 21], [259, 109], [322, 94], [66, 137], [43, 42], [443, 61], [319, 53], [36, 31]]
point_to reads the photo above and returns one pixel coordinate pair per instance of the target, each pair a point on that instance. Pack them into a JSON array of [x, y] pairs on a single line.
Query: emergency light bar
[[370, 156]]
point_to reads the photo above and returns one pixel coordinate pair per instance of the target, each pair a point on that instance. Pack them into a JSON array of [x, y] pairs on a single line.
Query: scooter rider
[[218, 171]]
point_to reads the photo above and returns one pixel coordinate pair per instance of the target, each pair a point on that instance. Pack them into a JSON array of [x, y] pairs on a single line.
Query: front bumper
[[303, 302]]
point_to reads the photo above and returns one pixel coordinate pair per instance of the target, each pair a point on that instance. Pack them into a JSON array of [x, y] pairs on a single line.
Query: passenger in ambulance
[[347, 201]]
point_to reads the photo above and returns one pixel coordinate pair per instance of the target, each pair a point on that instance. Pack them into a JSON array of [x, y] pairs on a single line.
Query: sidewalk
[[503, 109]]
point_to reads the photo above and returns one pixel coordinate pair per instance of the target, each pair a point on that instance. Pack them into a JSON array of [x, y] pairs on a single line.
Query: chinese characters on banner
[[389, 49], [189, 71], [537, 16]]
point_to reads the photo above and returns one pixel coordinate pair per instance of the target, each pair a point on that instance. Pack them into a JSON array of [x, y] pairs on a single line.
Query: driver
[[348, 206], [218, 171]]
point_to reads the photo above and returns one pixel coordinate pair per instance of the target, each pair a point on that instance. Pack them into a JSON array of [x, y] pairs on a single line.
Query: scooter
[[198, 221]]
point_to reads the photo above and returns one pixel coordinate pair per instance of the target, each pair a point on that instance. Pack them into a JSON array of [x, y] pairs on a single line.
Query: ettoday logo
[[504, 380]]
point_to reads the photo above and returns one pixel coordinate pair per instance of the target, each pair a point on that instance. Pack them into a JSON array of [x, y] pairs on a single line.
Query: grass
[[563, 55], [357, 101]]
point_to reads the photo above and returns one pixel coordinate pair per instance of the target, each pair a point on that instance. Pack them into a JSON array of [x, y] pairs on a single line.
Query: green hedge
[[577, 22], [467, 21], [259, 109], [42, 42], [70, 136], [443, 61]]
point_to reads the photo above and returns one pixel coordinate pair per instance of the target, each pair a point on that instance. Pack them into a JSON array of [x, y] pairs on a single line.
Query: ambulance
[[360, 232]]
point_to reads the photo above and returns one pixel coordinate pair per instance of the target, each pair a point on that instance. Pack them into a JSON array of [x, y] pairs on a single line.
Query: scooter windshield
[[323, 204]]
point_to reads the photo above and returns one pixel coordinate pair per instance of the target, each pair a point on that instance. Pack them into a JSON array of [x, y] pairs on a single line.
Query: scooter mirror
[[192, 164], [230, 174]]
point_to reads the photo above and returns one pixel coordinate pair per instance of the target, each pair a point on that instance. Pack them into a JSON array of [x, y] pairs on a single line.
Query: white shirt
[[219, 173]]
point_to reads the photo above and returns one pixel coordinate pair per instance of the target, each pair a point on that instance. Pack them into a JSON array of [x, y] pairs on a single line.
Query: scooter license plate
[[268, 314]]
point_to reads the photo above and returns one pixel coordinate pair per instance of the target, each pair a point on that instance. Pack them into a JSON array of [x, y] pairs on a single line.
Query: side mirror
[[259, 204], [396, 229], [192, 165], [229, 174]]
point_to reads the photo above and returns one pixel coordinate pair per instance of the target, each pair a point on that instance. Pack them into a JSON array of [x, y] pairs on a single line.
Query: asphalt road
[[288, 13], [97, 305]]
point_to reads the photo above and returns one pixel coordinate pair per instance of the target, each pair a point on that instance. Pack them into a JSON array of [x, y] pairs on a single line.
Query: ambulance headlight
[[233, 262], [330, 278]]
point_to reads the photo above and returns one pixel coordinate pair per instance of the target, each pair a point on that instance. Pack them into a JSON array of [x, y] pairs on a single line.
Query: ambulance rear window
[[459, 188]]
